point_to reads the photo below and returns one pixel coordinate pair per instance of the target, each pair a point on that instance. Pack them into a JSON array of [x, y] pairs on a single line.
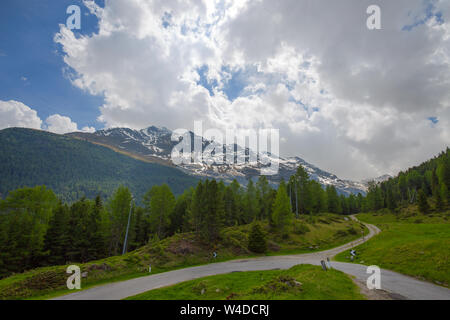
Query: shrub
[[300, 228]]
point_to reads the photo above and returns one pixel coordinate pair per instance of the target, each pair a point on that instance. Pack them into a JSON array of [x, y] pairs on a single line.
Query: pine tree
[[119, 208], [56, 239], [141, 228], [390, 199], [257, 240], [231, 207], [160, 206], [446, 176], [282, 212], [95, 235], [301, 186], [79, 223], [263, 190], [439, 202], [251, 204], [214, 218], [198, 208], [333, 200], [422, 202], [179, 215]]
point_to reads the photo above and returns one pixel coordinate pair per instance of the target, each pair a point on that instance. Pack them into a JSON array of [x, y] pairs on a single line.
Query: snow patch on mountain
[[154, 142]]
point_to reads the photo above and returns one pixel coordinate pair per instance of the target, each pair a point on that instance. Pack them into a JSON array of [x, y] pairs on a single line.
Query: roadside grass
[[308, 234], [301, 282], [410, 243]]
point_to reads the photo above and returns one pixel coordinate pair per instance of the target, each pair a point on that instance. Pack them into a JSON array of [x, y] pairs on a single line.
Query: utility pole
[[128, 227]]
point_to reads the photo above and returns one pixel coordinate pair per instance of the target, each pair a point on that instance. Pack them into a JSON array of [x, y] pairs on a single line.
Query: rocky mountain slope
[[155, 144]]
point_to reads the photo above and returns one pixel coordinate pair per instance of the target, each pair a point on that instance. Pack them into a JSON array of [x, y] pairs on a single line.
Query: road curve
[[392, 282]]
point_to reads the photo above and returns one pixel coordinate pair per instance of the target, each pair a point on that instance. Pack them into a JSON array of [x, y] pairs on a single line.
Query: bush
[[300, 228], [257, 239], [235, 238]]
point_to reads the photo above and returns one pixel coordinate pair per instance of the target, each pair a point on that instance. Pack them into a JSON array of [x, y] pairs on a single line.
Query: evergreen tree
[[264, 201], [119, 209], [198, 208], [422, 202], [25, 215], [79, 246], [179, 217], [213, 220], [231, 207], [446, 176], [302, 187], [161, 202], [390, 199], [95, 233], [282, 212], [439, 202], [251, 203], [333, 200], [257, 239], [141, 227], [57, 239]]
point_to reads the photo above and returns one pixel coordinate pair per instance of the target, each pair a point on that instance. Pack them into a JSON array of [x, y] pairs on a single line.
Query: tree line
[[38, 229], [426, 185]]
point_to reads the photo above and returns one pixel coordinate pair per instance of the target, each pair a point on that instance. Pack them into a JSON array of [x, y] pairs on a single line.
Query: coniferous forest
[[74, 168], [38, 229]]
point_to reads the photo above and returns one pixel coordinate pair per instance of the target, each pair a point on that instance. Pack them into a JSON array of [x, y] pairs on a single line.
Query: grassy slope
[[410, 243], [316, 284], [179, 251]]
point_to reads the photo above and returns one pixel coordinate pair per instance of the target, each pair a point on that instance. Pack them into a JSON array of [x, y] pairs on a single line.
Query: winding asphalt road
[[392, 282]]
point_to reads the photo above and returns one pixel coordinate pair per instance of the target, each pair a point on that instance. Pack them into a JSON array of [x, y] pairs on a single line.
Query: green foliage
[[251, 207], [179, 250], [282, 211], [160, 203], [57, 237], [333, 200], [414, 186], [423, 203], [257, 239], [24, 218], [300, 228], [118, 210]]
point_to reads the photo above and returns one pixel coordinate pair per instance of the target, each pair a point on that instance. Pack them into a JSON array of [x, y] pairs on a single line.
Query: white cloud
[[347, 99], [60, 124], [16, 114], [88, 129]]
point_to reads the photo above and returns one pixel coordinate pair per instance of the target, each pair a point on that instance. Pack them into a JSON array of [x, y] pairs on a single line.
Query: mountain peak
[[155, 144]]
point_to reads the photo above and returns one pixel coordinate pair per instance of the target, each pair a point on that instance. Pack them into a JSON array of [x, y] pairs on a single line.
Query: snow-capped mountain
[[379, 179], [155, 144]]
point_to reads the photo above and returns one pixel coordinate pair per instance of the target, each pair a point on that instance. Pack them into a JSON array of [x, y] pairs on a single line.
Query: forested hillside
[[427, 185], [74, 168], [36, 229]]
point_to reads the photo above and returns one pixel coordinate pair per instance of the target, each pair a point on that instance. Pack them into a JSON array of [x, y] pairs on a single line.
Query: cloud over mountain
[[354, 101], [17, 114]]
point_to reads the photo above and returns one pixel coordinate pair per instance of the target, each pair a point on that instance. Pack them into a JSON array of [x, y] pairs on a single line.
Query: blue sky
[[31, 65], [377, 100]]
